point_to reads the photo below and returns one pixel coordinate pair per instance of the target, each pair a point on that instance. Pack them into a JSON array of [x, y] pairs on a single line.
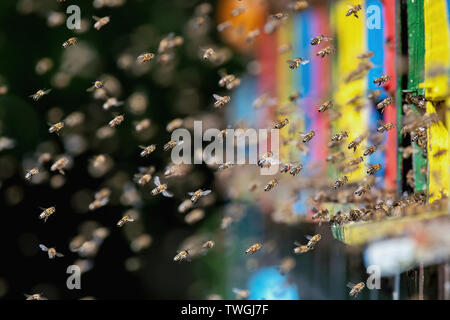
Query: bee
[[100, 22], [373, 95], [340, 182], [335, 157], [145, 57], [361, 190], [31, 173], [98, 160], [266, 160], [284, 48], [39, 94], [51, 252], [226, 165], [417, 100], [317, 40], [142, 125], [226, 222], [182, 255], [252, 35], [339, 136], [229, 81], [56, 127], [355, 143], [208, 53], [374, 168], [439, 153], [366, 55], [355, 162], [36, 296], [171, 144], [96, 85], [44, 158], [241, 294], [355, 288], [295, 169], [286, 265], [161, 188], [272, 183], [198, 194], [383, 104], [406, 152], [101, 199], [325, 106], [264, 100], [170, 42], [253, 248], [300, 248], [297, 62], [370, 150], [70, 42], [253, 186], [146, 151], [124, 220], [325, 52], [238, 11], [279, 16], [381, 80], [60, 165], [280, 124], [144, 177], [313, 240], [194, 216], [185, 205], [221, 101], [208, 244], [320, 214], [294, 97], [223, 26], [47, 212], [383, 127], [354, 10], [116, 121], [299, 5], [111, 102]]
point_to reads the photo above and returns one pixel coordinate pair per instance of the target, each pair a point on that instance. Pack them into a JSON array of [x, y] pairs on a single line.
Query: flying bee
[[282, 123], [36, 296], [69, 42], [370, 150], [112, 102], [146, 151], [226, 165], [194, 216], [226, 222], [313, 240], [253, 186], [317, 40], [51, 252], [198, 194], [60, 165], [325, 52], [98, 160], [279, 16], [223, 26], [116, 121], [284, 48], [325, 106], [253, 248], [366, 55], [171, 144], [47, 212], [161, 188], [145, 57], [295, 169], [294, 97], [299, 5], [296, 62], [221, 101], [241, 294], [339, 136], [285, 168], [373, 95], [252, 35], [96, 85], [228, 81], [362, 189], [101, 199], [39, 94], [439, 153], [124, 220], [340, 182], [300, 248], [272, 183], [56, 127], [335, 157], [31, 173], [381, 80], [374, 168], [383, 127], [355, 288], [238, 11], [266, 160], [306, 137], [208, 53], [355, 143], [355, 162], [142, 125], [383, 104], [320, 214], [182, 255], [353, 10], [100, 22], [185, 205], [208, 244], [286, 265]]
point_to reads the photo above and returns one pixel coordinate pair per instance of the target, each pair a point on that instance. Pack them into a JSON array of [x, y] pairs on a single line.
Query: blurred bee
[[362, 189], [370, 150], [297, 62], [383, 127], [280, 124], [208, 244], [96, 85], [171, 144], [307, 136], [355, 288], [264, 100], [313, 240], [198, 194], [294, 97], [142, 125], [325, 106], [238, 11], [100, 22], [229, 81], [340, 182], [319, 214], [36, 296], [252, 35], [279, 16], [194, 216], [226, 222], [56, 127], [299, 5], [60, 165], [145, 57], [98, 161], [366, 55], [112, 102], [170, 42], [69, 42], [124, 220], [317, 40], [44, 158], [31, 173], [208, 53], [417, 100], [301, 248], [47, 212], [355, 143], [226, 165], [241, 294], [6, 143], [161, 188], [146, 151], [439, 153], [295, 169], [339, 136], [101, 199], [51, 252], [221, 101], [406, 151], [353, 10], [284, 48], [182, 255], [373, 95], [374, 168], [272, 183], [335, 157], [383, 104], [39, 94], [185, 205], [145, 175], [116, 121], [253, 248], [223, 26], [355, 162], [286, 265], [253, 186], [381, 80], [266, 160], [325, 52]]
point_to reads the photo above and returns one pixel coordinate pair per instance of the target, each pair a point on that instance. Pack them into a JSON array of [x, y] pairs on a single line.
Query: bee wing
[[350, 285], [290, 61], [167, 194], [47, 91], [142, 147], [206, 192], [327, 39], [157, 182], [43, 248], [180, 142], [308, 237], [222, 73], [298, 244], [217, 97], [95, 18], [191, 193], [60, 255], [304, 62]]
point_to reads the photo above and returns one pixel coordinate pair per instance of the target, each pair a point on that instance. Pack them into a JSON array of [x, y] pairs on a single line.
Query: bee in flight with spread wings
[[161, 188]]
